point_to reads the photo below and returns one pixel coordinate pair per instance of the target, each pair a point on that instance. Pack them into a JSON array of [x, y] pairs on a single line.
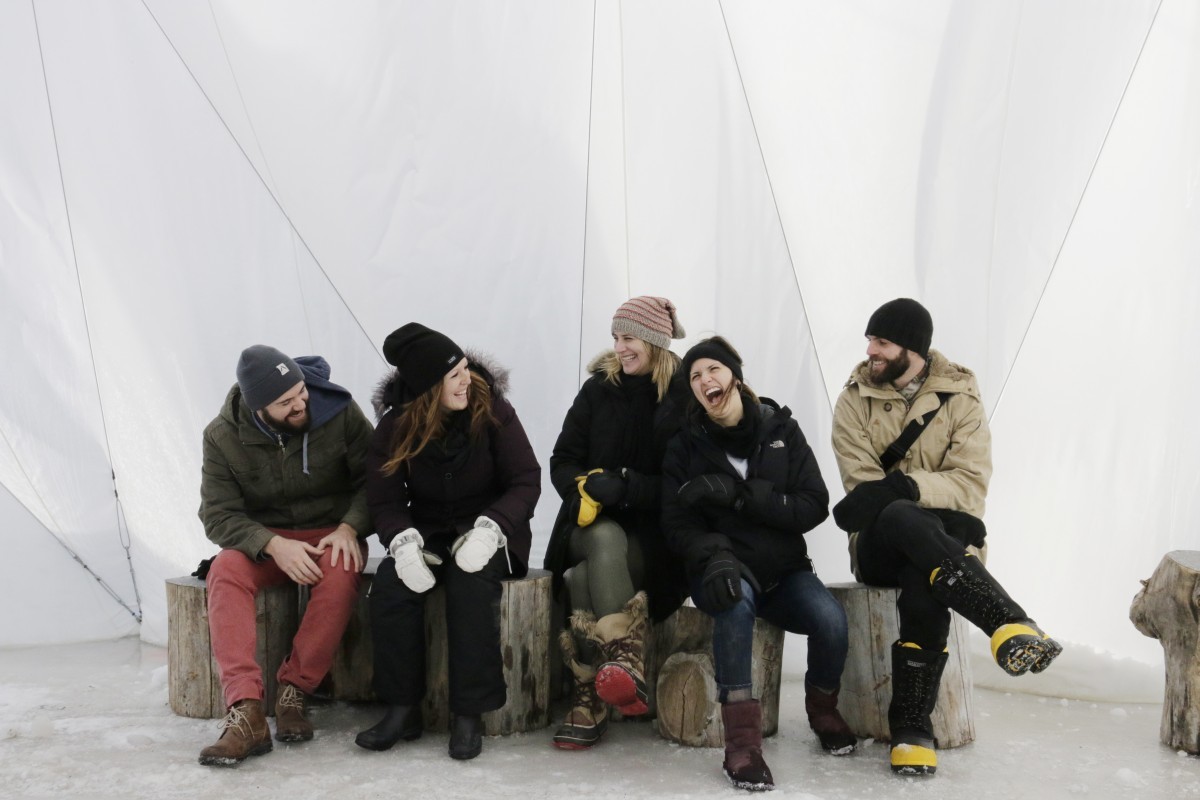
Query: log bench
[[867, 680], [194, 686], [683, 685], [1167, 608]]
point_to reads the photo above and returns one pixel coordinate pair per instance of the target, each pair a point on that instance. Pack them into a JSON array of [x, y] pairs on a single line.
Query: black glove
[[721, 584], [606, 487], [857, 510], [902, 485], [714, 489]]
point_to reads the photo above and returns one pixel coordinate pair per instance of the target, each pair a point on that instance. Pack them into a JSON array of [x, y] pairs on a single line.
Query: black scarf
[[739, 440]]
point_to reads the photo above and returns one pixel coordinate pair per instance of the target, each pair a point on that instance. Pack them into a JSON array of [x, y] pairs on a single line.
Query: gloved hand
[[902, 485], [588, 507], [606, 487], [857, 510], [721, 583], [475, 548], [714, 489], [411, 561]]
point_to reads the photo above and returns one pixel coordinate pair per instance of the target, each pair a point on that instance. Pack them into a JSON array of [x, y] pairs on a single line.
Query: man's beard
[[286, 425], [893, 369]]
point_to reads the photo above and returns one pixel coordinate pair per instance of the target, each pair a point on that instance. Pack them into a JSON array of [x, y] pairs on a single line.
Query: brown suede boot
[[246, 733], [290, 723], [587, 719], [825, 720], [620, 680], [744, 762]]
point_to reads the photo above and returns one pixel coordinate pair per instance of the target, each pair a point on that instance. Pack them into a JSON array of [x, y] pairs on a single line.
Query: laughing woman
[[606, 546], [740, 489], [451, 485]]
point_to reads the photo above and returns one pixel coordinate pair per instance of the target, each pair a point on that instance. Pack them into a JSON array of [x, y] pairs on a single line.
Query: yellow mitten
[[588, 508]]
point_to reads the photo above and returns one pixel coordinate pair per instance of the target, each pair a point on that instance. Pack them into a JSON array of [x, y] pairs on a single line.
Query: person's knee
[[904, 522], [230, 567], [605, 539]]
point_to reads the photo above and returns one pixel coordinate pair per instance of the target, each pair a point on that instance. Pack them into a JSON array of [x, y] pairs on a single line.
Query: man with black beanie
[[912, 443], [283, 494]]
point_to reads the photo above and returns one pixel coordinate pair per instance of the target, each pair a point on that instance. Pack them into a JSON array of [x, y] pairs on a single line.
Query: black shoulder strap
[[912, 430]]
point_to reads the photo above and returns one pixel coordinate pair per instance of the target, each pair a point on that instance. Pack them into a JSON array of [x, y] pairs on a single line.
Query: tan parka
[[951, 462]]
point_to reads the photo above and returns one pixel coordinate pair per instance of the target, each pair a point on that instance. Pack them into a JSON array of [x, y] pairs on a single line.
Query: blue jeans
[[799, 603]]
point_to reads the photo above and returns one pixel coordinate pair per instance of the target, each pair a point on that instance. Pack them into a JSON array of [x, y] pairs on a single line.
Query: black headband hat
[[716, 349], [421, 355], [904, 322]]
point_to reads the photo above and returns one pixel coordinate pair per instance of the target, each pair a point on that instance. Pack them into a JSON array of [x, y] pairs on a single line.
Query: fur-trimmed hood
[[482, 363], [604, 362]]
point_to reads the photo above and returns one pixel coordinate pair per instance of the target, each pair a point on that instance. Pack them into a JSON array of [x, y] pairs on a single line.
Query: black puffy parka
[[783, 495], [616, 426]]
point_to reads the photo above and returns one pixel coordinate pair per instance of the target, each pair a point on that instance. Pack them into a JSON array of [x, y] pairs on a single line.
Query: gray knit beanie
[[651, 319], [264, 375]]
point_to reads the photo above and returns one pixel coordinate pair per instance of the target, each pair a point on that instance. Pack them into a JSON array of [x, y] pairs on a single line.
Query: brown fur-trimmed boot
[[620, 680], [245, 733], [290, 723], [587, 719], [744, 762]]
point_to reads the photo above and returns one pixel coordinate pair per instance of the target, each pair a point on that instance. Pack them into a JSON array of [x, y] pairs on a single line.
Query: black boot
[[400, 722], [916, 675], [1018, 644], [466, 736]]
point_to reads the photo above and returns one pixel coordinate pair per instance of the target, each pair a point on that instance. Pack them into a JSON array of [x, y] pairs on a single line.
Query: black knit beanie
[[904, 322], [422, 355], [264, 375], [716, 350]]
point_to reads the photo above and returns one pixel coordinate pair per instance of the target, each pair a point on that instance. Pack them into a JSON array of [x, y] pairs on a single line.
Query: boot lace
[[291, 697], [236, 719]]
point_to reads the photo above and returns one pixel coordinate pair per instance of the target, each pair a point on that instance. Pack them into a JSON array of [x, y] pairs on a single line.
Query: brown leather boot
[[245, 733], [744, 762], [290, 723], [826, 721], [620, 680], [587, 719]]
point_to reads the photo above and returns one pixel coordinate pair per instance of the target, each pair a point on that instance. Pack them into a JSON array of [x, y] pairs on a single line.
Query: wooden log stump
[[193, 681], [1167, 608], [685, 684], [867, 680], [524, 641]]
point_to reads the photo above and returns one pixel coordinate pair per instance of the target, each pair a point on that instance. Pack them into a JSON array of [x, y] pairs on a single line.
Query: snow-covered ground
[[91, 720]]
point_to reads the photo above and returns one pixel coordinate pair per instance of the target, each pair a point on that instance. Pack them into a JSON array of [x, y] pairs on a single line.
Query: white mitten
[[475, 548], [411, 560]]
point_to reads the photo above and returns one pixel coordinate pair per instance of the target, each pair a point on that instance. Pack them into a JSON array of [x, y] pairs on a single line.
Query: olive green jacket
[[253, 481]]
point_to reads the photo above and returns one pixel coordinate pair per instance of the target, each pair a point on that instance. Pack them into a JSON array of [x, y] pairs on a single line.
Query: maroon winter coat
[[497, 476]]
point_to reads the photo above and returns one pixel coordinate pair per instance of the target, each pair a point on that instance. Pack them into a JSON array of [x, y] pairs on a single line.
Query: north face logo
[[776, 443], [283, 370]]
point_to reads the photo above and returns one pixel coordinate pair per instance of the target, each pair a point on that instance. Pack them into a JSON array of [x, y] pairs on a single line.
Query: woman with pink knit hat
[[606, 548]]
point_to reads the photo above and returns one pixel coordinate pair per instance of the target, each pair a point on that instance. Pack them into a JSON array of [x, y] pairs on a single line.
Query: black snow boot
[[916, 675], [1018, 644]]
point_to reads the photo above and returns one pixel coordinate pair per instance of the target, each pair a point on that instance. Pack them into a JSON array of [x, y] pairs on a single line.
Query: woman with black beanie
[[451, 484], [741, 487]]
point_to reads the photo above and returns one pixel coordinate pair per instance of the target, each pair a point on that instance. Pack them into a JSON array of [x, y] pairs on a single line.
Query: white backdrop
[[179, 179]]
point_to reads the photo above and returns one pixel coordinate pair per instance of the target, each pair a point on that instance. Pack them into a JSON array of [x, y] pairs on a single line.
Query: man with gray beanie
[[912, 443], [282, 493]]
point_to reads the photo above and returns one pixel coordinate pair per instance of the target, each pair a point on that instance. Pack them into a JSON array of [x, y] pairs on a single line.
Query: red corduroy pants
[[235, 579]]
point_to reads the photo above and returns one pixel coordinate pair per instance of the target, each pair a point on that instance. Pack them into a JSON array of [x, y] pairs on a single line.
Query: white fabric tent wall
[[217, 174]]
